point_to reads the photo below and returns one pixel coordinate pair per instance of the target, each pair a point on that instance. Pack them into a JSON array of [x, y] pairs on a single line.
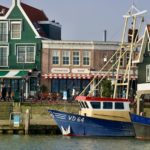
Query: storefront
[[19, 81], [67, 82]]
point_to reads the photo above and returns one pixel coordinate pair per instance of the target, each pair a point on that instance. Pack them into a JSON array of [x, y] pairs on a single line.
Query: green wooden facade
[[28, 37], [21, 37], [144, 60]]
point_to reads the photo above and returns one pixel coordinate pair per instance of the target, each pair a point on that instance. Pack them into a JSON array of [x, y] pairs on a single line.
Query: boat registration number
[[75, 119]]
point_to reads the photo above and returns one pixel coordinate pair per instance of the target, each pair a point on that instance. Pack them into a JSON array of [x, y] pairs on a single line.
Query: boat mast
[[133, 15]]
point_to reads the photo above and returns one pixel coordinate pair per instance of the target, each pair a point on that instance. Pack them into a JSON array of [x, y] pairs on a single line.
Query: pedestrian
[[21, 95], [73, 93], [9, 92], [4, 91]]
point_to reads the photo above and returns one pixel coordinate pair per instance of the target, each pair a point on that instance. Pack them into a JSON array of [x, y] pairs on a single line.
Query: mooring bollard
[[27, 121]]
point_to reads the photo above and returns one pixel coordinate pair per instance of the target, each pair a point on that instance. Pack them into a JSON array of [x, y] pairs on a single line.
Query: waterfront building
[[73, 64], [22, 27]]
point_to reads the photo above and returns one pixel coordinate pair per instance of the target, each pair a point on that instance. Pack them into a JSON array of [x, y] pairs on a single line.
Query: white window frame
[[147, 73], [25, 57], [87, 56], [6, 30], [73, 58], [148, 46], [58, 55], [65, 54], [7, 54], [16, 22]]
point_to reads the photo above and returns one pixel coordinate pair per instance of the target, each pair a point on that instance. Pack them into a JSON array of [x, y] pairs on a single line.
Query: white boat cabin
[[105, 108]]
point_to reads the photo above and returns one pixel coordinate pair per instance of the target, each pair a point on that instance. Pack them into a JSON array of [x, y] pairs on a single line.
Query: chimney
[[105, 35], [16, 2]]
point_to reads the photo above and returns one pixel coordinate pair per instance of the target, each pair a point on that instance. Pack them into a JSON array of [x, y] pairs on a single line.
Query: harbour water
[[40, 142]]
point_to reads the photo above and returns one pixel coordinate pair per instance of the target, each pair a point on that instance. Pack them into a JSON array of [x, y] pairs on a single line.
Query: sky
[[87, 19]]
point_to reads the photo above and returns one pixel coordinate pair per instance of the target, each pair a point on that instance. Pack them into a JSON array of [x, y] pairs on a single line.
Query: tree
[[106, 88]]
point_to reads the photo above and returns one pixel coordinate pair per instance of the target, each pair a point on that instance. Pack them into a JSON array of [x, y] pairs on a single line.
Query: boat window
[[119, 106], [107, 105], [96, 105], [86, 105], [83, 104], [80, 104]]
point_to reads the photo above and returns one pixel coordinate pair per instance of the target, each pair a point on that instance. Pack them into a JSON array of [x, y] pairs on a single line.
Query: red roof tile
[[34, 14], [3, 10], [148, 27]]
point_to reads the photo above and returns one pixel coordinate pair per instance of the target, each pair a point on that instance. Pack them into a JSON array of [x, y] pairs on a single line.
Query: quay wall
[[40, 121]]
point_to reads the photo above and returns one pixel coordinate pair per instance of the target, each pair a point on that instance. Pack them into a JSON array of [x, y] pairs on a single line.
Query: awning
[[67, 76], [13, 74], [82, 76]]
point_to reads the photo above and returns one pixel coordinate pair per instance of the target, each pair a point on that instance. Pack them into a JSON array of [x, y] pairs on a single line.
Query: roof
[[35, 15], [148, 28], [3, 10]]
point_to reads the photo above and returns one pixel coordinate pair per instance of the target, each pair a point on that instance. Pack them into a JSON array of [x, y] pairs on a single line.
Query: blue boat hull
[[87, 126], [141, 125]]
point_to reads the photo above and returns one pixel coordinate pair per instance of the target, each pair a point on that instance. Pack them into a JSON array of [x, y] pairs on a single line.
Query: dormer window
[[16, 30]]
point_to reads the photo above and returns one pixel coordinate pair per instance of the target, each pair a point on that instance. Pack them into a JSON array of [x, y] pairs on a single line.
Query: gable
[[16, 15]]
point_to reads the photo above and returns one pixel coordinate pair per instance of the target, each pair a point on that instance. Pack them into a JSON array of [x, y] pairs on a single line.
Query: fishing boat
[[99, 116], [141, 126]]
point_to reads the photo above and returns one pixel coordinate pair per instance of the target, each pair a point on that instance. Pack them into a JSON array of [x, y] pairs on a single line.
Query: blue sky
[[87, 19]]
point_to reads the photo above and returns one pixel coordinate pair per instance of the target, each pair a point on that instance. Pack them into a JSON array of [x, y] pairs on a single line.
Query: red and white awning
[[80, 76], [67, 76]]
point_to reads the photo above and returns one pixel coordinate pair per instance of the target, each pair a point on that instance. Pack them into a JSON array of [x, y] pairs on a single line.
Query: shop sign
[[60, 70], [80, 70]]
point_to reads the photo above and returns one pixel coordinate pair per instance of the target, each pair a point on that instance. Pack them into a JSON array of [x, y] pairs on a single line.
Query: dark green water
[[40, 142]]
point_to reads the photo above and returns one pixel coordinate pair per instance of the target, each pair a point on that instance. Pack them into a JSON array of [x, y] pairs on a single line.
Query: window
[[83, 105], [107, 105], [148, 73], [25, 54], [3, 56], [119, 106], [16, 30], [66, 57], [96, 105], [80, 104], [55, 59], [86, 58], [148, 45], [86, 105], [3, 31], [76, 58], [33, 84]]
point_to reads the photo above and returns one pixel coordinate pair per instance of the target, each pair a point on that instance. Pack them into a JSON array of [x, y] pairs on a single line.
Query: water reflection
[[21, 142]]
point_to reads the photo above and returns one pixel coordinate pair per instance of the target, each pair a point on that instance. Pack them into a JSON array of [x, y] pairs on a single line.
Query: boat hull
[[142, 126], [77, 125]]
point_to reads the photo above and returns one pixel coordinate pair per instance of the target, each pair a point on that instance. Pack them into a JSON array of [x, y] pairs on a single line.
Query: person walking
[[9, 92], [4, 91]]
